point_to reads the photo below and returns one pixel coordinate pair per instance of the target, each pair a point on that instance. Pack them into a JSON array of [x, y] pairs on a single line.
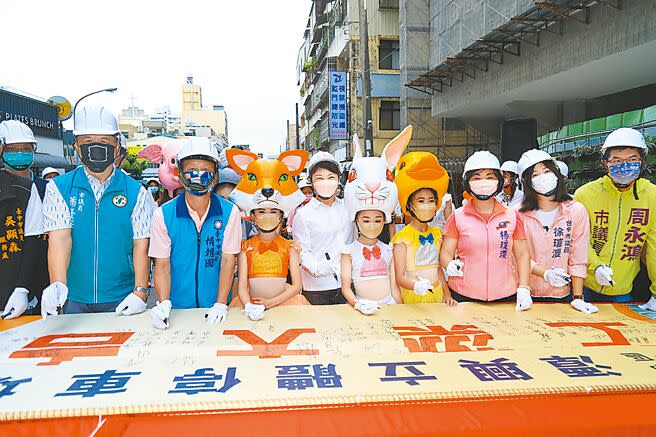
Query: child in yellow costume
[[267, 192], [421, 182]]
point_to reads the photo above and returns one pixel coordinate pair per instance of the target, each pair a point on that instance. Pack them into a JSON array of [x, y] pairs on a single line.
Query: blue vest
[[195, 256], [101, 268]]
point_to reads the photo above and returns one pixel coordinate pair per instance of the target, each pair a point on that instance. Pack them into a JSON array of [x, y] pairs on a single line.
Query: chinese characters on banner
[[292, 358], [337, 92]]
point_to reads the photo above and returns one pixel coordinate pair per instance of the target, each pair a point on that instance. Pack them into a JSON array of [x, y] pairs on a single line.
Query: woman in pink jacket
[[486, 235], [558, 232]]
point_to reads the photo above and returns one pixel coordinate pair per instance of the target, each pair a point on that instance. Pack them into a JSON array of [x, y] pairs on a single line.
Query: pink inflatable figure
[[165, 156]]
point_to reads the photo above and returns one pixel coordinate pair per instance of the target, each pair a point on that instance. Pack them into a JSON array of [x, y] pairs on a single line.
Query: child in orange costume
[[267, 192]]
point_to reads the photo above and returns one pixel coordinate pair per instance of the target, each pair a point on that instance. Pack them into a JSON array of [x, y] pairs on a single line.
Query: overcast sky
[[242, 53]]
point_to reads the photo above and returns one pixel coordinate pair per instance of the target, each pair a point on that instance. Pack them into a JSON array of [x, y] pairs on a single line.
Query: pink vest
[[485, 248]]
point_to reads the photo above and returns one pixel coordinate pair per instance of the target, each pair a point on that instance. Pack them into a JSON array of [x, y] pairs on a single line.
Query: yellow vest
[[622, 229]]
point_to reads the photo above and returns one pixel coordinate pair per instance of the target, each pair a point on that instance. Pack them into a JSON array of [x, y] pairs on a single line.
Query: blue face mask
[[198, 182], [625, 173], [18, 160], [153, 190]]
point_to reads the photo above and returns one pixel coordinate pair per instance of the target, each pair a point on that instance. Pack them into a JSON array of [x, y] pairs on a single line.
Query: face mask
[[198, 182], [308, 197], [371, 230], [153, 190], [625, 173], [424, 212], [97, 157], [18, 160], [267, 222], [483, 189], [545, 184], [326, 188]]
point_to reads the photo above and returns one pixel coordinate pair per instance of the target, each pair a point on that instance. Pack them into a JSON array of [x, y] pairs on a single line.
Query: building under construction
[[498, 74]]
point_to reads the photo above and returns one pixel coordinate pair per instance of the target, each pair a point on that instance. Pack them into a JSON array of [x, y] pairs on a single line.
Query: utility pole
[[298, 139], [367, 119]]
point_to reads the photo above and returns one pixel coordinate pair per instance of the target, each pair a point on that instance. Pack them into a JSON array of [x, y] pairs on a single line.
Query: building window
[[390, 115], [388, 54], [388, 4]]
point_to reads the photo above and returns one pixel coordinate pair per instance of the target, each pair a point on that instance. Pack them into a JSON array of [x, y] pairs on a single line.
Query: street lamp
[[106, 90]]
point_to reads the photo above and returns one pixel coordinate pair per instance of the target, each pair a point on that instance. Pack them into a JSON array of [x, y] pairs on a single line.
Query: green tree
[[133, 165]]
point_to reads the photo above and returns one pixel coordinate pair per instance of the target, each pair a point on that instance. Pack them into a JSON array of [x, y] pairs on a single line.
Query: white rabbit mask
[[370, 183]]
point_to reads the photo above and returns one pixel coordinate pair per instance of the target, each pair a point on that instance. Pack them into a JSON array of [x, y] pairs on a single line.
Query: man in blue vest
[[194, 239], [98, 222]]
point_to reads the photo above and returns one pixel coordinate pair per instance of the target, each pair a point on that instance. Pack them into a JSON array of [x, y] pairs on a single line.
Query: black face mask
[[97, 156]]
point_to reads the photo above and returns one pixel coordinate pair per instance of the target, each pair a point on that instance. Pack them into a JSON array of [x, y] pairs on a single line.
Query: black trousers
[[325, 297], [460, 298]]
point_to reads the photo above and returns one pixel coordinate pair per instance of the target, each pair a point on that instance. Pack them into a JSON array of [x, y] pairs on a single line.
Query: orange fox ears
[[239, 159], [294, 160]]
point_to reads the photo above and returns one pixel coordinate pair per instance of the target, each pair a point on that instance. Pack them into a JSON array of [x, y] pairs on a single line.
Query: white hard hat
[[121, 141], [530, 158], [149, 180], [321, 157], [564, 170], [509, 166], [624, 137], [48, 170], [95, 120], [304, 183], [13, 132], [200, 147], [480, 160]]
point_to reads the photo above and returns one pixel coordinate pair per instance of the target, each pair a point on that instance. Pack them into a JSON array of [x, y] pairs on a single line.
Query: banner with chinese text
[[309, 355]]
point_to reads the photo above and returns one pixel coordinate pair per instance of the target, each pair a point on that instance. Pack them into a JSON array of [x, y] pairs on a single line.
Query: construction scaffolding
[[452, 141]]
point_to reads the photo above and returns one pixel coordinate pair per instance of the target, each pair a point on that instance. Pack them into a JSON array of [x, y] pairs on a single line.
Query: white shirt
[[319, 230], [34, 214], [547, 217], [516, 200], [439, 221], [57, 215]]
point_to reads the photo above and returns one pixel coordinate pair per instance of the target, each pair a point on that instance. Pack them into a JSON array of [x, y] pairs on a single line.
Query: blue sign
[[337, 113]]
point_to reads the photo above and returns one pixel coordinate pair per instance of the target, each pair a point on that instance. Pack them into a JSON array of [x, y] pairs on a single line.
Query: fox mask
[[267, 183]]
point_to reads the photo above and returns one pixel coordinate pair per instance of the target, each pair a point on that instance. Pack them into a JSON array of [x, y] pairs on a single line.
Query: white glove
[[584, 307], [556, 277], [366, 306], [649, 306], [132, 304], [454, 268], [422, 286], [54, 296], [446, 198], [604, 275], [524, 300], [160, 313], [16, 304], [253, 311], [327, 268], [311, 267], [218, 313]]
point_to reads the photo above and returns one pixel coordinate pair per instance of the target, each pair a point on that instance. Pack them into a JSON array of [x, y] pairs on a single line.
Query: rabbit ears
[[392, 151], [294, 160]]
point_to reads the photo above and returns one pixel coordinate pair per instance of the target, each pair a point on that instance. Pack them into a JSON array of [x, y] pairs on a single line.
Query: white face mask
[[325, 188], [545, 183], [484, 187]]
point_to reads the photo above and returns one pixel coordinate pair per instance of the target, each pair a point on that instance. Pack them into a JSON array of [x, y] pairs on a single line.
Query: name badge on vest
[[119, 200]]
